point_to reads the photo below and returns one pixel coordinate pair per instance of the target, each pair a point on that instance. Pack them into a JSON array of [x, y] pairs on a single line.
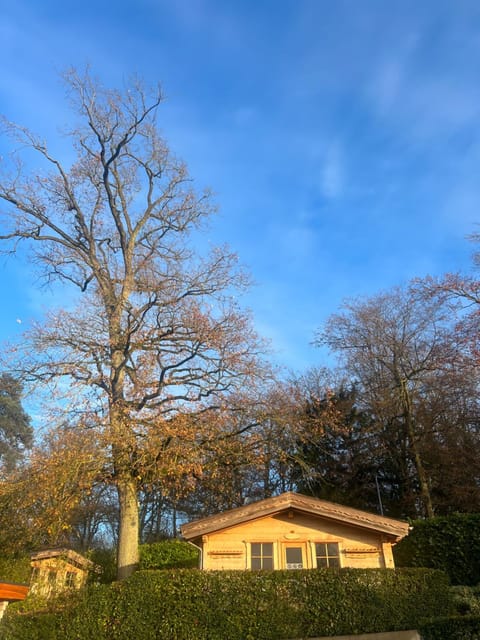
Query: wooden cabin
[[56, 570], [293, 531]]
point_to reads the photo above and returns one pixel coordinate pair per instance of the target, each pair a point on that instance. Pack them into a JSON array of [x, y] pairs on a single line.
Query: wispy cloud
[[333, 173]]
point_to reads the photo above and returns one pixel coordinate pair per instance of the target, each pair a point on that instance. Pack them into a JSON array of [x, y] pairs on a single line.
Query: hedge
[[467, 628], [15, 569], [449, 543], [168, 554], [197, 605]]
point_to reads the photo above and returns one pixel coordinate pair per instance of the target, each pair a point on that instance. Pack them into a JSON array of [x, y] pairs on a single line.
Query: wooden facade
[[292, 531], [57, 570]]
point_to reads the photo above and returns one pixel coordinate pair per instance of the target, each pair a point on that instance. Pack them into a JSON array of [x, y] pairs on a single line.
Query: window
[[70, 579], [261, 555], [327, 554], [294, 557]]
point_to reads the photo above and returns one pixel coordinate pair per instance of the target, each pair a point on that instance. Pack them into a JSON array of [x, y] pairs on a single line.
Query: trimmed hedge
[[452, 629], [449, 543], [168, 554], [466, 600], [197, 605]]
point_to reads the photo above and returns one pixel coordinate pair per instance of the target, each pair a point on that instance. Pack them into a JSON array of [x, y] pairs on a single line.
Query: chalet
[[293, 531], [56, 570]]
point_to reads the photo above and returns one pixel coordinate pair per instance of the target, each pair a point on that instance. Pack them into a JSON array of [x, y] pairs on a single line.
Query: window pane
[[261, 555], [294, 555], [70, 578], [327, 554]]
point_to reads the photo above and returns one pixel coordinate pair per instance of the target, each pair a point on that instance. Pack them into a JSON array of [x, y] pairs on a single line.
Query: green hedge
[[15, 569], [449, 543], [452, 629], [168, 554], [197, 605]]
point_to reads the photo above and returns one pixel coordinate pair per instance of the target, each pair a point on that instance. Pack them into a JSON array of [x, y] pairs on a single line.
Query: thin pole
[[378, 495]]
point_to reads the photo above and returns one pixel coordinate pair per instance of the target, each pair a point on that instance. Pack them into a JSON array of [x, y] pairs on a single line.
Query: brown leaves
[[46, 491]]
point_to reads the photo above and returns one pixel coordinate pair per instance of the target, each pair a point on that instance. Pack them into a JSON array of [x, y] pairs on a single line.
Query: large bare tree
[[394, 345], [155, 329]]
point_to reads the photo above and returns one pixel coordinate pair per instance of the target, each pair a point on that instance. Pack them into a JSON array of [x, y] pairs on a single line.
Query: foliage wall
[[196, 605], [450, 543], [168, 554], [15, 569]]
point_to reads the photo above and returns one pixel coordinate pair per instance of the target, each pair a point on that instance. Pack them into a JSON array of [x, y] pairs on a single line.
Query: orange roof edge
[[12, 591], [396, 529]]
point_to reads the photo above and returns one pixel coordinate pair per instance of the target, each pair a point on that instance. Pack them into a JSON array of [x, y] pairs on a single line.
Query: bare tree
[[157, 328], [393, 344]]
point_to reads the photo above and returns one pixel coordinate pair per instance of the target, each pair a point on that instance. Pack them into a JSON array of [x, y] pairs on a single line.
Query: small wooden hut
[[56, 570]]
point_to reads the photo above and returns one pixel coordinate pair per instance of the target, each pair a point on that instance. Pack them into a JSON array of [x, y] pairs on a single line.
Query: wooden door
[[295, 555]]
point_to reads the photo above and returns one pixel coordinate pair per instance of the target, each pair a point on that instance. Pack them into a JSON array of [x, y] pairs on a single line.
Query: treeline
[[161, 404], [395, 428]]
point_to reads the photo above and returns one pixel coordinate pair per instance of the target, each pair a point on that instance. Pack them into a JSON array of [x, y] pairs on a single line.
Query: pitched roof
[[395, 529], [67, 554]]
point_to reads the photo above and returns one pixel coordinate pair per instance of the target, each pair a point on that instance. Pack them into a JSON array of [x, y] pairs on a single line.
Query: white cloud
[[333, 172], [388, 88], [420, 95]]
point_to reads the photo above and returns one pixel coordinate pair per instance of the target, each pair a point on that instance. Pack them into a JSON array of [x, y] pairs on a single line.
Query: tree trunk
[[127, 552], [417, 458]]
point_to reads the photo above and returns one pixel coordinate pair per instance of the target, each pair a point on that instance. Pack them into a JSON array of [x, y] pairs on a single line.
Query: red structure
[[11, 592]]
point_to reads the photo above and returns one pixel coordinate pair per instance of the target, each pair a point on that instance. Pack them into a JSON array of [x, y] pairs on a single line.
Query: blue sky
[[341, 139]]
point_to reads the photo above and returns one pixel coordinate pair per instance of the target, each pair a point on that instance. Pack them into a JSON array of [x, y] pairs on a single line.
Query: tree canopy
[[157, 331], [16, 433]]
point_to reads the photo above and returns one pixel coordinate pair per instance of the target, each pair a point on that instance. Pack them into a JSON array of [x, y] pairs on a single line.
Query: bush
[[106, 560], [15, 569], [197, 605], [168, 554], [449, 543], [466, 601], [452, 629], [36, 626]]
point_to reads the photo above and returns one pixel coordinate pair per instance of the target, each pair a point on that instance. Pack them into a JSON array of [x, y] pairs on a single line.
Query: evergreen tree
[[16, 433]]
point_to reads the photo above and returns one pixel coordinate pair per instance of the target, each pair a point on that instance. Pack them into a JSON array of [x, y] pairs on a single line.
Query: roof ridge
[[290, 499]]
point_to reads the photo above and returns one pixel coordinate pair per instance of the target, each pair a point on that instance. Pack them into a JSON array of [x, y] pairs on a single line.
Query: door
[[295, 555]]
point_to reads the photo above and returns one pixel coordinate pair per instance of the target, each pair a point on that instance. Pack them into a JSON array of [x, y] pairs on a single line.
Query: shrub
[[105, 559], [452, 629], [466, 600], [168, 554], [197, 605], [36, 626], [15, 569], [449, 543]]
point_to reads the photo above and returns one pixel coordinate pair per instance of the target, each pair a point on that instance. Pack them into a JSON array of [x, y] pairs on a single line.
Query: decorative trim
[[295, 503]]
